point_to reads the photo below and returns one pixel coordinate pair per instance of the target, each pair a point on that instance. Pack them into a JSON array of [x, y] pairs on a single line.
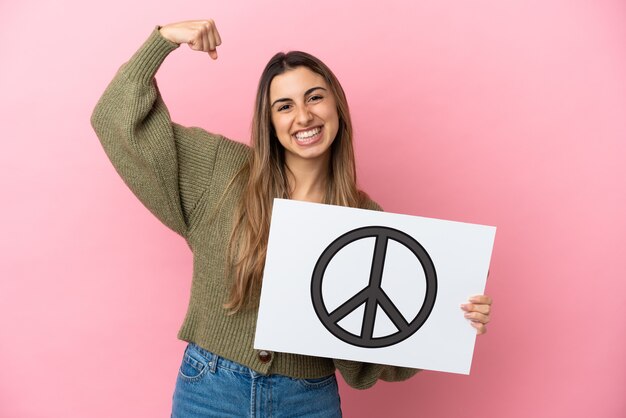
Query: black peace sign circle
[[373, 295]]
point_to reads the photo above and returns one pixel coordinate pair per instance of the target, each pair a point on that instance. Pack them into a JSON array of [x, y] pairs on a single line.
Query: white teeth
[[308, 134]]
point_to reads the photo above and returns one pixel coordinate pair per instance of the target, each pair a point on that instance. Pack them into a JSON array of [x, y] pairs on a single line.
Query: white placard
[[371, 286]]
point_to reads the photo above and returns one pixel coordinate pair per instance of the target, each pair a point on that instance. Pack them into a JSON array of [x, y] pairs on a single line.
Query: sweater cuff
[[146, 61]]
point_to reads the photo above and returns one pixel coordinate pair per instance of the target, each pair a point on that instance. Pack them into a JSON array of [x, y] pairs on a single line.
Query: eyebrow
[[306, 93]]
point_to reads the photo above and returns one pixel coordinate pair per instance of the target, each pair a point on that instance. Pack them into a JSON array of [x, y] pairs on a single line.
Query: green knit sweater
[[181, 174]]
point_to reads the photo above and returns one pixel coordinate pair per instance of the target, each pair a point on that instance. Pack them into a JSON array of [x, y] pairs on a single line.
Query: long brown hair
[[267, 177]]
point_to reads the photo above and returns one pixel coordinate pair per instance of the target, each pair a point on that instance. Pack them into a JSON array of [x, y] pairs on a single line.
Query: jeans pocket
[[318, 382], [194, 365]]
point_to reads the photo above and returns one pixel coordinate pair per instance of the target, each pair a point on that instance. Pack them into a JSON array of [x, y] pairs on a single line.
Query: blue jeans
[[211, 386]]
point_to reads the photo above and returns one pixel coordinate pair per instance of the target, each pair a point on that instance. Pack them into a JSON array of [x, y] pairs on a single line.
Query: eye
[[283, 107], [315, 98]]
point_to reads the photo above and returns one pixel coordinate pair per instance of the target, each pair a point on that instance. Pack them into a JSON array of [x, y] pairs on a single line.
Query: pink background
[[507, 113]]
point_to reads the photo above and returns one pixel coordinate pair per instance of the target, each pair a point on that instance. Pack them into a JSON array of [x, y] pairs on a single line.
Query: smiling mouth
[[309, 136]]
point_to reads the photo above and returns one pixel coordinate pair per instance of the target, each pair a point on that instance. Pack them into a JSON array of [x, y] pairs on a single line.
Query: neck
[[307, 179]]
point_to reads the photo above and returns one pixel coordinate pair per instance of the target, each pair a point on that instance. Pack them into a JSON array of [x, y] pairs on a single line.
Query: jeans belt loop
[[213, 362]]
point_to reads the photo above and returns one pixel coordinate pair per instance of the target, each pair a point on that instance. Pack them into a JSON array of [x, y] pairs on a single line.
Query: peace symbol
[[373, 295]]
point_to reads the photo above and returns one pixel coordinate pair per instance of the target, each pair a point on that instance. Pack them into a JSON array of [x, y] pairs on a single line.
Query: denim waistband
[[217, 361]]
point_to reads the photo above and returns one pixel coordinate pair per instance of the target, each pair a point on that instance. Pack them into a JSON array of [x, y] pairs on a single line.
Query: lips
[[309, 136]]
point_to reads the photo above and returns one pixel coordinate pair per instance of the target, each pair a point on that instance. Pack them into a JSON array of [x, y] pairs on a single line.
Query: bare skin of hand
[[477, 310], [200, 35]]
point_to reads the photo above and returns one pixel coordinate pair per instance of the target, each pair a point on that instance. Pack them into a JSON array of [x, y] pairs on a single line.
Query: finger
[[212, 45], [481, 299], [472, 307], [477, 316], [205, 37], [211, 38], [480, 328], [218, 38], [197, 43]]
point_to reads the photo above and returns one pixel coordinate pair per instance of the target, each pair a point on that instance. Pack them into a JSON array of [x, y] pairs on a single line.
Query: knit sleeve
[[361, 375], [167, 166]]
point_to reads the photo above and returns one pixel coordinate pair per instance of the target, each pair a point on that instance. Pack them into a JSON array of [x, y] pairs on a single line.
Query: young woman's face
[[304, 114]]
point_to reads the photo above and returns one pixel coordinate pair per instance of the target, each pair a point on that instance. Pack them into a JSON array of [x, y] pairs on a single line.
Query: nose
[[304, 115]]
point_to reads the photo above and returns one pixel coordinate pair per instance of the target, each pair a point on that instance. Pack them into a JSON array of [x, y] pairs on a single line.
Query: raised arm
[[167, 166]]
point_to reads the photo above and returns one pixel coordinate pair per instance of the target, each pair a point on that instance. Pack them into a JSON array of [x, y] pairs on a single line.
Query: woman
[[217, 194]]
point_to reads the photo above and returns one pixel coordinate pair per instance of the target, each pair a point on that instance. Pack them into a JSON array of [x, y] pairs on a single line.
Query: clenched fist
[[200, 35]]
